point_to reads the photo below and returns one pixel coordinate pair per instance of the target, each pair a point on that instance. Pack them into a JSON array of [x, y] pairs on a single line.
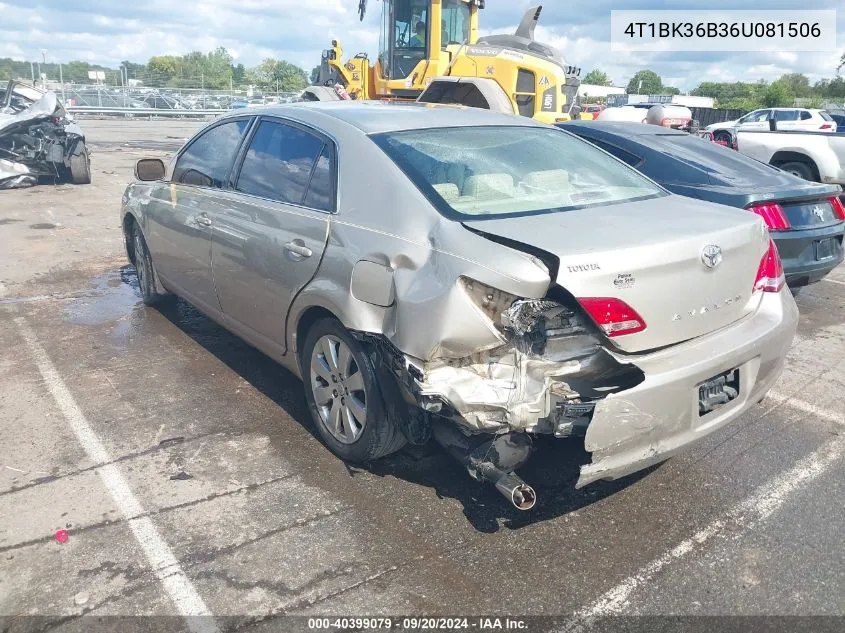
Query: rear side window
[[632, 159], [321, 190], [279, 163], [207, 160], [786, 115]]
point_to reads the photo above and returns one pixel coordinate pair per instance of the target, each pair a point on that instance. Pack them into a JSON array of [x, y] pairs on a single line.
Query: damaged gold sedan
[[475, 277]]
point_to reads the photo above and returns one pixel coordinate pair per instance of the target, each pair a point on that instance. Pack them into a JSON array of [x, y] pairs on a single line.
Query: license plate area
[[718, 391], [826, 249]]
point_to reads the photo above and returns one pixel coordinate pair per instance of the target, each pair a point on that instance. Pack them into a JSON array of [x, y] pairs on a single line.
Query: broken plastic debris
[[61, 536], [523, 317], [80, 598], [181, 476]]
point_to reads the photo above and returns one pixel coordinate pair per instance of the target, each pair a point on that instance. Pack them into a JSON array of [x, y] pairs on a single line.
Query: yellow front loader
[[430, 51]]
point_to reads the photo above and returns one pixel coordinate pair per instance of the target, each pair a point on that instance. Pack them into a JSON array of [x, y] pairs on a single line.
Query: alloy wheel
[[338, 386]]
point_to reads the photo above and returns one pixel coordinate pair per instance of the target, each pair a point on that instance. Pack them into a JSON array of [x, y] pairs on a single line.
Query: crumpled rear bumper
[[656, 419]]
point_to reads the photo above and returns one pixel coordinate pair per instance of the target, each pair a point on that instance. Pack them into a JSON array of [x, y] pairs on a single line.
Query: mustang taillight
[[770, 277], [838, 207], [772, 214], [613, 316]]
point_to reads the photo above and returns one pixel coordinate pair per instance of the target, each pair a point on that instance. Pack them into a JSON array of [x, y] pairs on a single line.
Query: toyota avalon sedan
[[471, 276], [806, 219]]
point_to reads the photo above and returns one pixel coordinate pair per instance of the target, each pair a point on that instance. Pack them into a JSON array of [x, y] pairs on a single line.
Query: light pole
[[44, 60]]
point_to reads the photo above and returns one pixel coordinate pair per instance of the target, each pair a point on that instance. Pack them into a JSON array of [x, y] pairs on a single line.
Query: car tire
[[800, 169], [343, 395], [145, 269], [79, 166], [722, 135]]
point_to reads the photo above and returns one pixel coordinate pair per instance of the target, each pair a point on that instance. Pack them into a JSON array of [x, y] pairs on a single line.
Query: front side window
[[279, 163], [496, 171], [207, 160], [454, 26], [756, 117]]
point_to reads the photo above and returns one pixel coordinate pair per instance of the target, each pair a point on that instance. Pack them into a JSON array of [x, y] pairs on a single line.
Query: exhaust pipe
[[492, 459], [519, 493]]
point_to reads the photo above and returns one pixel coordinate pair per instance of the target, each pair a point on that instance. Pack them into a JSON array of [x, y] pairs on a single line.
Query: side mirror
[[150, 169]]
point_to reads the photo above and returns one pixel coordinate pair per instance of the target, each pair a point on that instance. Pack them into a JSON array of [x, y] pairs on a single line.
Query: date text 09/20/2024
[[419, 624]]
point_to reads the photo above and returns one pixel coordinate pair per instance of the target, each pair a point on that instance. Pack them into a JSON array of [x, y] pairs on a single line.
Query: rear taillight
[[613, 316], [772, 214], [826, 126], [838, 207], [770, 277]]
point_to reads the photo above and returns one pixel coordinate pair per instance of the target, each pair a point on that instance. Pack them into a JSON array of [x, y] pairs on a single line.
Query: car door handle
[[202, 220], [297, 247]]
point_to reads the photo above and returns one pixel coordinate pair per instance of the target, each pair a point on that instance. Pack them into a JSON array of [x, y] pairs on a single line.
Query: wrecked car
[[471, 276], [38, 138]]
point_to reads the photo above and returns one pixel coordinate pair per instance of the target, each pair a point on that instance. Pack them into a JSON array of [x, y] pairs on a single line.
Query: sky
[[106, 32]]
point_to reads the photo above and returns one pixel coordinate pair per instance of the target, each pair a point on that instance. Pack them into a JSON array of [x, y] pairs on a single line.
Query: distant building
[[689, 101], [591, 91]]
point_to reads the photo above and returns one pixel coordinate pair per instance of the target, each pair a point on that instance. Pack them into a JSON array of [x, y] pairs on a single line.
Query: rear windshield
[[707, 156], [826, 116], [496, 171]]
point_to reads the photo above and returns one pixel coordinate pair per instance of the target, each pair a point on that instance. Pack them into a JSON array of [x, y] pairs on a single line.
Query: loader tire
[[320, 93]]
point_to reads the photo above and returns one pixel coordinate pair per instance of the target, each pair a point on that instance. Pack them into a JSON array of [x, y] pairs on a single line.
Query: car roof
[[374, 117], [625, 128]]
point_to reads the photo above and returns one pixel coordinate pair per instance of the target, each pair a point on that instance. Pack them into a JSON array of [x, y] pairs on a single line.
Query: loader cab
[[413, 31]]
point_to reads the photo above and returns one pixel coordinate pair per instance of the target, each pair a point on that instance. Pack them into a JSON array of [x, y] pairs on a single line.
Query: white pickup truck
[[816, 156]]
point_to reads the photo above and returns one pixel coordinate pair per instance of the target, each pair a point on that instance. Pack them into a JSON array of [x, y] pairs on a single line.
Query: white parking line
[[806, 407], [179, 588], [747, 514], [834, 281]]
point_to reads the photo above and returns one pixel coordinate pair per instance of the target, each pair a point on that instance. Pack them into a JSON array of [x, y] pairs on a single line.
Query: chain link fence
[[145, 90]]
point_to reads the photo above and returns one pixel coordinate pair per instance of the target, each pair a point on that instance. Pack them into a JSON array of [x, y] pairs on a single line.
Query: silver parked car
[[477, 277]]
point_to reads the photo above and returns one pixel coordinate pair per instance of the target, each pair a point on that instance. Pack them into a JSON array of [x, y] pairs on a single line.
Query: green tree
[[671, 90], [238, 74], [652, 84], [830, 89], [275, 74], [777, 96], [597, 77], [161, 69], [217, 68], [796, 84]]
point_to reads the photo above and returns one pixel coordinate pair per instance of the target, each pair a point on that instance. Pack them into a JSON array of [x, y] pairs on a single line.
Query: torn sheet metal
[[550, 358], [15, 175]]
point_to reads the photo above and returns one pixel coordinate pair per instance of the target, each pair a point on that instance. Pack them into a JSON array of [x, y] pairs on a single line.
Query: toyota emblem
[[711, 255]]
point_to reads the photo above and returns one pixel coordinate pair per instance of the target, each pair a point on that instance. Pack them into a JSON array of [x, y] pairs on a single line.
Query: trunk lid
[[650, 255], [805, 213]]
